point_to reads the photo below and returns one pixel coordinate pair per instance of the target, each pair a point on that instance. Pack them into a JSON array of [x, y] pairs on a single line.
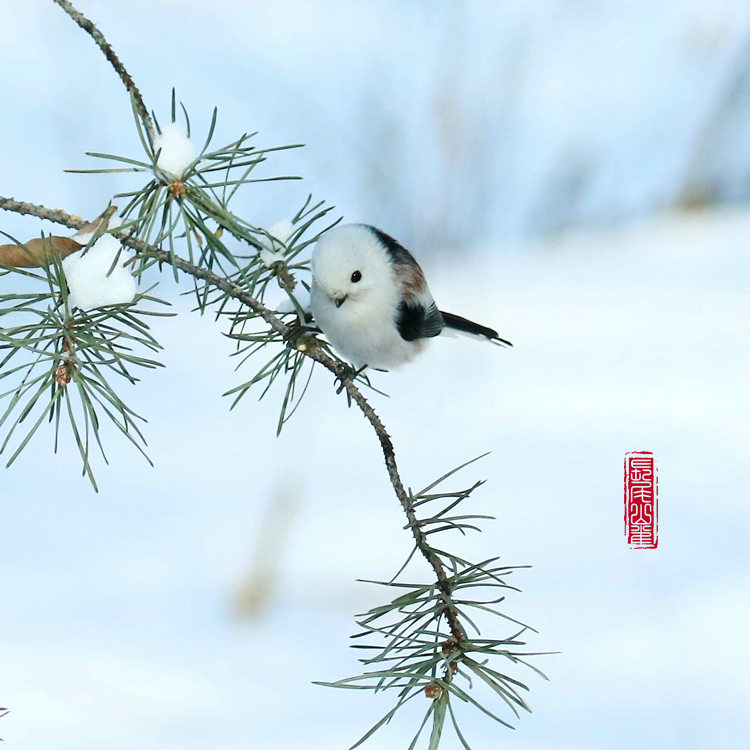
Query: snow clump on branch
[[89, 281], [281, 231], [175, 149]]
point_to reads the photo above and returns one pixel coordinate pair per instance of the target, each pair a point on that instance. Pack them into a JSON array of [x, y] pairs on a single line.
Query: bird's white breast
[[364, 333]]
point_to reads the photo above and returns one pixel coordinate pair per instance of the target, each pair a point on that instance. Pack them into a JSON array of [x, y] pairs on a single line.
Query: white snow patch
[[280, 233], [303, 298], [282, 230], [83, 238], [269, 257], [177, 151], [89, 284]]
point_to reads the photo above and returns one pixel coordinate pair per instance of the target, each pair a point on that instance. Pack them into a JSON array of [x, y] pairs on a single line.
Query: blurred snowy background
[[575, 173]]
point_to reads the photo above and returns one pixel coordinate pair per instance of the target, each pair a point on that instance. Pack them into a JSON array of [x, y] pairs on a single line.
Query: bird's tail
[[457, 323]]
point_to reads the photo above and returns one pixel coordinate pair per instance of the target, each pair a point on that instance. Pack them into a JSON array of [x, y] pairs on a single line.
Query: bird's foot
[[349, 375]]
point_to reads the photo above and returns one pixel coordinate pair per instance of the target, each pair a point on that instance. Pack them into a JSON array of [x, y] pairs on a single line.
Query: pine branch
[[307, 345], [427, 645]]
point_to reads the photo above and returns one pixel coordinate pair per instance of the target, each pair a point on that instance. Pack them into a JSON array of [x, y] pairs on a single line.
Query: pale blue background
[[536, 157]]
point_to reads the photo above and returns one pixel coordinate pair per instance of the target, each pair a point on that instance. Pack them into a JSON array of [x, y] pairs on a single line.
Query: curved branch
[[341, 371], [451, 614], [343, 374], [109, 53]]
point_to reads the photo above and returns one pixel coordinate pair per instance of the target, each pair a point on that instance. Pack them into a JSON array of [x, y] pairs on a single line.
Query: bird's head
[[352, 268]]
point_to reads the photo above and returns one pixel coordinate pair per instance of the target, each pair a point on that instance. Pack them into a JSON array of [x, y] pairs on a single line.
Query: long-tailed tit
[[370, 298]]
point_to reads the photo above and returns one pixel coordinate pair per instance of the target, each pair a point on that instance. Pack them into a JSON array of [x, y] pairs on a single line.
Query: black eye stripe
[[356, 276]]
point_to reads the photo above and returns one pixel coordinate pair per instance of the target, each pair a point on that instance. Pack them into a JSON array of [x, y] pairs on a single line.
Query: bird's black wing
[[417, 316], [417, 320]]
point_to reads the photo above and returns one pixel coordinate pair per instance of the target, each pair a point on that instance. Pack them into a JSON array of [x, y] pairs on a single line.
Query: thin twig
[[342, 373], [56, 215], [89, 27]]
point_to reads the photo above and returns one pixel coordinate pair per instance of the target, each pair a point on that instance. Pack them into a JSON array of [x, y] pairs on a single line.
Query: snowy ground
[[117, 609]]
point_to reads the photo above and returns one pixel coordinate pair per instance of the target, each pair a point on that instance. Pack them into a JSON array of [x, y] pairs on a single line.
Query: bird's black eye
[[356, 276]]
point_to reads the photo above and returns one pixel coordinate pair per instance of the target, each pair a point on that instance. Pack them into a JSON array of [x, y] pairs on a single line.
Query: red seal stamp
[[641, 500]]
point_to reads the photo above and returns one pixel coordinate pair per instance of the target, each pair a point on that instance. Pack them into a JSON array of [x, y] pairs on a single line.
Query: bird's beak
[[338, 301]]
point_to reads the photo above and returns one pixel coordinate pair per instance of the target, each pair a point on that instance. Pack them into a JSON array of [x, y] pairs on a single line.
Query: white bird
[[371, 300]]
